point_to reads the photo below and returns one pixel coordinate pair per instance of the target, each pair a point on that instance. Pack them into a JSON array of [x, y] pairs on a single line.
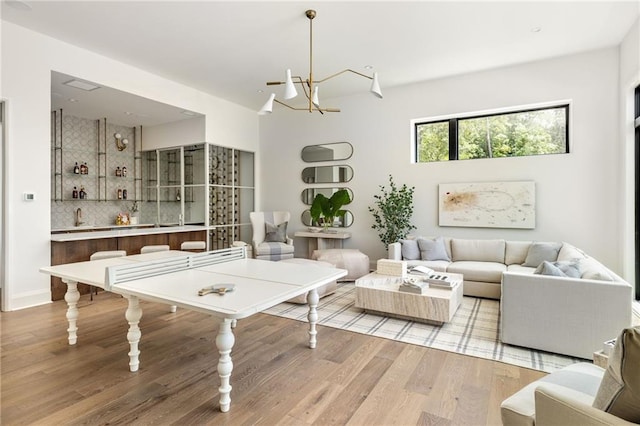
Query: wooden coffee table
[[379, 294]]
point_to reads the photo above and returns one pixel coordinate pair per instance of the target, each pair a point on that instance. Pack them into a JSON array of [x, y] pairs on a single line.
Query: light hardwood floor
[[349, 379]]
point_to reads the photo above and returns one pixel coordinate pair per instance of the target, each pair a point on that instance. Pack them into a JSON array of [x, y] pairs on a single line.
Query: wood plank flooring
[[349, 379]]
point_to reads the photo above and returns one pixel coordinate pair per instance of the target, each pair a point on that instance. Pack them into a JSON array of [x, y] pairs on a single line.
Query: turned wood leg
[[71, 297], [312, 299], [224, 342], [133, 315]]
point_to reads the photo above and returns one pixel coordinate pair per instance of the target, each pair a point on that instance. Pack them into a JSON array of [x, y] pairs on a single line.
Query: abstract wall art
[[488, 204]]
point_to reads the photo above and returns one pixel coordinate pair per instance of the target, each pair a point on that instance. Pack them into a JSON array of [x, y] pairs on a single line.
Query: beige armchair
[[583, 394], [270, 240]]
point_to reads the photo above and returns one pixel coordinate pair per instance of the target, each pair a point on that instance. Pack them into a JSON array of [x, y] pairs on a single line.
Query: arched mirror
[[340, 222], [327, 174], [309, 194], [327, 152]]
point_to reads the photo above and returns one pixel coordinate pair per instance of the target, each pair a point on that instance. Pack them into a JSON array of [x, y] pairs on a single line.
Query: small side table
[[600, 359], [323, 240]]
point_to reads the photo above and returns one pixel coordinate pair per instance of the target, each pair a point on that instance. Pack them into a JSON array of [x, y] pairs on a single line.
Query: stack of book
[[432, 277]]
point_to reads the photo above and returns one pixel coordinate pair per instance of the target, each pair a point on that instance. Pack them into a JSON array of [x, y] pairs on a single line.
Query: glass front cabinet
[[201, 184]]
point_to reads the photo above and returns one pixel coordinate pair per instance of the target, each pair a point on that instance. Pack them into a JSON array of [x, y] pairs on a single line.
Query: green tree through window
[[514, 134]]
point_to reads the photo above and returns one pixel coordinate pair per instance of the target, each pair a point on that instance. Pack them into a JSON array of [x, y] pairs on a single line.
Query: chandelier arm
[[322, 110], [342, 72]]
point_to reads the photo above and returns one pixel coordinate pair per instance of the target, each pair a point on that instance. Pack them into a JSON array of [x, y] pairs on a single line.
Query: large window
[[507, 134]]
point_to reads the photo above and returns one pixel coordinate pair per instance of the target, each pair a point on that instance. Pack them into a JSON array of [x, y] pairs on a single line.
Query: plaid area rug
[[473, 331]]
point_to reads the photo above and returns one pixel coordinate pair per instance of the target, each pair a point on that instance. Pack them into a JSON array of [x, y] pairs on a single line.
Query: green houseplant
[[392, 212], [324, 210]]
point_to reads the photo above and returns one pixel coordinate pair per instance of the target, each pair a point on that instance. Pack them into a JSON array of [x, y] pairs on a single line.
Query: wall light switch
[[29, 196]]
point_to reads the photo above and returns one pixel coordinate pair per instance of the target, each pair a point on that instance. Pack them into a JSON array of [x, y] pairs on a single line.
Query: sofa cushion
[[410, 249], [516, 252], [594, 270], [433, 249], [490, 272], [520, 269], [619, 391], [539, 252], [478, 250], [568, 252]]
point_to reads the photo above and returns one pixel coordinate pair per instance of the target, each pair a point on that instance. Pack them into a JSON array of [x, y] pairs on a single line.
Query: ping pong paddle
[[221, 289]]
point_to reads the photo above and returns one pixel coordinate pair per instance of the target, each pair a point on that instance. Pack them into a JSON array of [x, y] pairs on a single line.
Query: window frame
[[453, 121]]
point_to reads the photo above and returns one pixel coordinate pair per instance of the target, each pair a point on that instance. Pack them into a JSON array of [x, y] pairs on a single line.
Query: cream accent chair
[[583, 394], [270, 250]]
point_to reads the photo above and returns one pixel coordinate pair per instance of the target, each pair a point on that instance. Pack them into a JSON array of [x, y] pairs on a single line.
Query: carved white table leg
[[224, 342], [312, 299], [71, 297], [133, 315]]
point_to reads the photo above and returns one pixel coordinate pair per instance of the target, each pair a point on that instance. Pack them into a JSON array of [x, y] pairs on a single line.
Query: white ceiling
[[230, 49]]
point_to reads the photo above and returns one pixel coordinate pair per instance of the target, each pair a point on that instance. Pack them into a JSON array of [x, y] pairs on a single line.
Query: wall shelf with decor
[[78, 143]]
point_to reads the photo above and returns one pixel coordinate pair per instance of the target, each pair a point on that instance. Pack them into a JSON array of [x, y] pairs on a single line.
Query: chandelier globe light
[[308, 85]]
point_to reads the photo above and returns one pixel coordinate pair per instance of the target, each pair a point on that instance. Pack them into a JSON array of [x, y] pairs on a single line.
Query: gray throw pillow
[[571, 268], [275, 233], [410, 250], [433, 249], [548, 268], [539, 252]]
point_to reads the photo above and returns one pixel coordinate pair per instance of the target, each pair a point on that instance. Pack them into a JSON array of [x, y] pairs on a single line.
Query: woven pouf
[[353, 260], [325, 290]]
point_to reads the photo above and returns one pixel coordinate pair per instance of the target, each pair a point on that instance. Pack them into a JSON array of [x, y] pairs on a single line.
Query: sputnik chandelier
[[309, 86]]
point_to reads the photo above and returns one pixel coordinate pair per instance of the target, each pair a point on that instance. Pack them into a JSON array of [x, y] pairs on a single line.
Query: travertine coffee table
[[379, 294]]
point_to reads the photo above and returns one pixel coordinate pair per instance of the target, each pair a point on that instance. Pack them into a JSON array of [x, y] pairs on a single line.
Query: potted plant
[[133, 213], [325, 210], [392, 212]]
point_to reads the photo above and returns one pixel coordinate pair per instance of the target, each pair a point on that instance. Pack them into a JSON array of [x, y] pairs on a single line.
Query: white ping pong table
[[174, 278]]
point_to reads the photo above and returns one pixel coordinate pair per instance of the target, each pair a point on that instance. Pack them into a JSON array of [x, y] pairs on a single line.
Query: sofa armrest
[[571, 316], [553, 408], [394, 251]]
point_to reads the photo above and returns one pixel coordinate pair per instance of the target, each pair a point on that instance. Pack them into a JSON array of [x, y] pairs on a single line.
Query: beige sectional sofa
[[553, 296]]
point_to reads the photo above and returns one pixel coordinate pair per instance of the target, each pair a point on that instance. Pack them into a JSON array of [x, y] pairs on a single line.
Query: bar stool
[[193, 246], [104, 255], [151, 249]]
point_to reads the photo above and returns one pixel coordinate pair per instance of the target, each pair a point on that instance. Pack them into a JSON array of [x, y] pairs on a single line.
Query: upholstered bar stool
[[193, 246], [104, 255], [151, 249]]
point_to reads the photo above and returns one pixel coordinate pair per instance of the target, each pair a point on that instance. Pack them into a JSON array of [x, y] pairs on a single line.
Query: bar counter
[[77, 244]]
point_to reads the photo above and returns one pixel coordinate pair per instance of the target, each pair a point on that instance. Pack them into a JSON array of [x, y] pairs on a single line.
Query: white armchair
[[270, 240]]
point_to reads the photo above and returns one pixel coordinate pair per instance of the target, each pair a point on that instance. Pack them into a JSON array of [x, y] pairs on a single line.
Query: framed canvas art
[[487, 204]]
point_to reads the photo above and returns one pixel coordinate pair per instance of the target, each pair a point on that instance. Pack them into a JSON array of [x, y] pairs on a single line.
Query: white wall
[[576, 193], [27, 61], [629, 80], [183, 132]]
